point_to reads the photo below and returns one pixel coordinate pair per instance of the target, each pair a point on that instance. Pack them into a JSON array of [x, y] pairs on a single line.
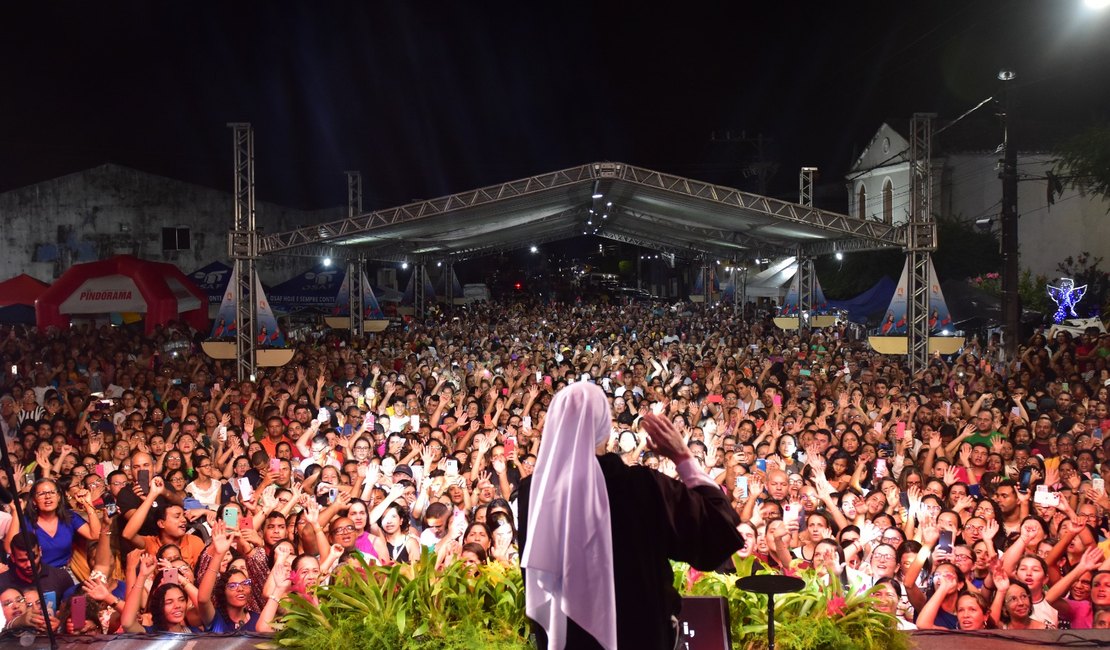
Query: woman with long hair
[[224, 597], [167, 604], [54, 524]]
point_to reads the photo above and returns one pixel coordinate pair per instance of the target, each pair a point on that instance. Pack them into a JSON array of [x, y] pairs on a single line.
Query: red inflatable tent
[[123, 284]]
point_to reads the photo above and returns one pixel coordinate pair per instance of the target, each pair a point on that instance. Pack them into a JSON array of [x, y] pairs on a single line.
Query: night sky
[[429, 98]]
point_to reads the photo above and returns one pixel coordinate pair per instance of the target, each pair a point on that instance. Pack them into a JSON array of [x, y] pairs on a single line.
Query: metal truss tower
[[419, 275], [355, 266], [449, 284], [242, 247], [806, 271], [921, 239]]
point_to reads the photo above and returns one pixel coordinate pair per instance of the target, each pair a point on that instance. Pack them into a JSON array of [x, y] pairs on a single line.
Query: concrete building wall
[[966, 185], [111, 210], [1047, 233]]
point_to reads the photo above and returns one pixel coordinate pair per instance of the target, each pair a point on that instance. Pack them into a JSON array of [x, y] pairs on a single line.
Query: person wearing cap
[[595, 597]]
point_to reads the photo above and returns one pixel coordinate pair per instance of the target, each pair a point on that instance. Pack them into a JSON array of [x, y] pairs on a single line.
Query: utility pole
[[1011, 307]]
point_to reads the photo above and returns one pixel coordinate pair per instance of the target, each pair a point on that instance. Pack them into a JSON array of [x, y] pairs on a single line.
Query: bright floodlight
[[327, 261], [404, 265], [839, 255], [534, 249], [1097, 5], [1006, 75], [597, 195], [439, 264]]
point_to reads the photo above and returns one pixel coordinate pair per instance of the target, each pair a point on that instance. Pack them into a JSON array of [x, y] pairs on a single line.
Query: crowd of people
[[165, 495]]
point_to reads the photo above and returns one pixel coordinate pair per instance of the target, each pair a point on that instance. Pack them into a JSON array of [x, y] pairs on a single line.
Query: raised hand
[[990, 530], [147, 564]]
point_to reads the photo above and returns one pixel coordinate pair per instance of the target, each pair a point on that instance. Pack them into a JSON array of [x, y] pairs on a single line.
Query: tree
[[1085, 161], [962, 251]]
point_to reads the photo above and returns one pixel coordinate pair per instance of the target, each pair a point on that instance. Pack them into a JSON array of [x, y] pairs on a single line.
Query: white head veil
[[569, 554]]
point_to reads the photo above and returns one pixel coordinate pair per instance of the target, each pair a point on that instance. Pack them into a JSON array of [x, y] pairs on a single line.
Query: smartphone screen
[[144, 480], [451, 467], [275, 464], [414, 422], [51, 602], [1026, 477], [900, 431], [776, 399], [761, 464], [742, 485], [510, 444]]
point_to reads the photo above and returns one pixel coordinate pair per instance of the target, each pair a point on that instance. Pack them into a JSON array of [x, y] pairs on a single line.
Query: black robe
[[654, 518]]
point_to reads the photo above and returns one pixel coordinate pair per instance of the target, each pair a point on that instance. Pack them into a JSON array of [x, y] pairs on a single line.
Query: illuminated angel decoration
[[1066, 295]]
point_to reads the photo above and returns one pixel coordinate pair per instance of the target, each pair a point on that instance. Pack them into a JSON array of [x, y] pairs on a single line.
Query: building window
[[888, 201], [861, 203], [175, 239]]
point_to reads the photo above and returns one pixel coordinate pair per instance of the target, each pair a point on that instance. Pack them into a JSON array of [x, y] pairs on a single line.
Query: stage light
[[597, 195], [534, 249], [839, 255], [404, 265], [438, 264], [327, 261]]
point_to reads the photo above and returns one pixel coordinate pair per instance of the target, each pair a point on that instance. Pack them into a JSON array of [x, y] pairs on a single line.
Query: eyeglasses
[[47, 493], [1016, 598], [240, 585], [882, 556], [339, 530], [9, 603]]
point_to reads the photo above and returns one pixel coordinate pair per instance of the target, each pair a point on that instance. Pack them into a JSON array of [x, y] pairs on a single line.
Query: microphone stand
[[6, 463]]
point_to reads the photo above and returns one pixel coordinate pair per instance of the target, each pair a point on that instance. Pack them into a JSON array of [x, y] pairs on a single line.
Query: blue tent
[[869, 303], [212, 280], [316, 288]]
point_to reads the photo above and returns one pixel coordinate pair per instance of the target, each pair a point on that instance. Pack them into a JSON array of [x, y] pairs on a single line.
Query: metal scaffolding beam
[[355, 267], [449, 284], [830, 222], [606, 176], [805, 186], [921, 239], [371, 221], [806, 274], [242, 245], [734, 241], [830, 246], [419, 304]]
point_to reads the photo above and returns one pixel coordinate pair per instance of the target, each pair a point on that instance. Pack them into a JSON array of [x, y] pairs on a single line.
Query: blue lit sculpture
[[1066, 296]]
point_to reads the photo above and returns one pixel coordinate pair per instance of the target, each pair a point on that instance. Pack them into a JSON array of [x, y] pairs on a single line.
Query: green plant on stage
[[819, 617], [411, 607]]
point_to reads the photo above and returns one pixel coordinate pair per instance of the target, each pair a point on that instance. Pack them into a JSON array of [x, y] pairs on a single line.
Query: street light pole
[[1011, 307]]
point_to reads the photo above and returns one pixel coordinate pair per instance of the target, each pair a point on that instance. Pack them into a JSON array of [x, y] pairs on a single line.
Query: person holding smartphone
[[597, 505], [170, 522]]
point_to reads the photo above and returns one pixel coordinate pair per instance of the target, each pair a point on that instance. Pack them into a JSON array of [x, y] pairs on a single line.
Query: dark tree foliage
[[963, 251]]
